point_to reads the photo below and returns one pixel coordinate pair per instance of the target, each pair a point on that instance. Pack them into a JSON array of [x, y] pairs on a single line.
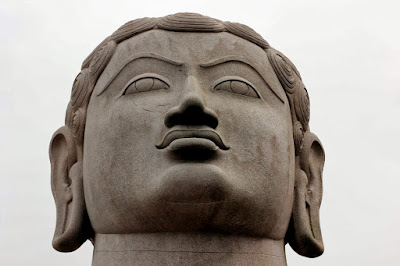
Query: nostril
[[192, 115]]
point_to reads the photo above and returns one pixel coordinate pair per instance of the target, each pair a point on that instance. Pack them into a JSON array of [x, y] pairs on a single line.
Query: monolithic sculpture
[[186, 141]]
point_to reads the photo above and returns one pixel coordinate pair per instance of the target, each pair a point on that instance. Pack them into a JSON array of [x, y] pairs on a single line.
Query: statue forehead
[[188, 46], [193, 49]]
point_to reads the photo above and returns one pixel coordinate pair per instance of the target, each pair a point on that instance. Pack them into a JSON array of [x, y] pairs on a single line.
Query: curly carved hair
[[95, 63]]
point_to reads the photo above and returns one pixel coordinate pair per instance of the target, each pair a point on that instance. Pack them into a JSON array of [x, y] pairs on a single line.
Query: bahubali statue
[[187, 142]]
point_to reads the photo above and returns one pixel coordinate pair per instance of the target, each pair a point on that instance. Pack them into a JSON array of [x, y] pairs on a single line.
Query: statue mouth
[[192, 137]]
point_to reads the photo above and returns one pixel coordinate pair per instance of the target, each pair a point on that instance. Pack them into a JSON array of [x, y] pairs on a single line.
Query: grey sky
[[348, 53]]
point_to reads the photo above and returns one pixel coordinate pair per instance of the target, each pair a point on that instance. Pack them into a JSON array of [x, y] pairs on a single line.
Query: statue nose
[[191, 109]]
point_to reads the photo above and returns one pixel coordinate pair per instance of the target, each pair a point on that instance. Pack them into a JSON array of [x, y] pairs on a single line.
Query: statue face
[[185, 132]]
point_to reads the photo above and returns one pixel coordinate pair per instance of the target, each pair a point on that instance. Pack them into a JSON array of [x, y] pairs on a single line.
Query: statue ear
[[72, 226], [304, 234]]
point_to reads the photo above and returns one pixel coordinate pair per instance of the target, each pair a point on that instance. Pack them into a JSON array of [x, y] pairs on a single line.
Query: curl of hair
[[79, 89], [302, 106], [190, 22], [246, 33], [286, 74], [101, 59], [68, 115], [78, 124], [298, 136], [132, 28], [88, 59]]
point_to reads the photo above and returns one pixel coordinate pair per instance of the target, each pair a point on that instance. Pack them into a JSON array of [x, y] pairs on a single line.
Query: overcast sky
[[348, 53]]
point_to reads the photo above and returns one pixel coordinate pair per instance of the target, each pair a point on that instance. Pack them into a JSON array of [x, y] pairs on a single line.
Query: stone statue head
[[186, 124]]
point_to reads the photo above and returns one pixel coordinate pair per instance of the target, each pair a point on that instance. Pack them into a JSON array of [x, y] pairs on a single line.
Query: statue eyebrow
[[241, 59], [135, 57]]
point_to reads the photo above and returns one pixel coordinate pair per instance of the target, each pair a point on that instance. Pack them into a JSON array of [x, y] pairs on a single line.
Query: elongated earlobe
[[304, 234], [72, 226]]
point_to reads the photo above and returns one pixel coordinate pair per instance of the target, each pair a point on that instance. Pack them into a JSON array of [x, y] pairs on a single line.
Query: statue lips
[[192, 137]]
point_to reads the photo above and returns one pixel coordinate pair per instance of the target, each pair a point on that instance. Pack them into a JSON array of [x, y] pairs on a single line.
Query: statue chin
[[192, 183]]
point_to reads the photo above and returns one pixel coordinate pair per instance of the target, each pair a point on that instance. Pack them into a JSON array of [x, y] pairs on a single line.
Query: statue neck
[[186, 249]]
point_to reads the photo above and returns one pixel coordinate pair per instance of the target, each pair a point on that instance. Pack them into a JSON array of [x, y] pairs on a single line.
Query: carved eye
[[145, 84], [237, 86]]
